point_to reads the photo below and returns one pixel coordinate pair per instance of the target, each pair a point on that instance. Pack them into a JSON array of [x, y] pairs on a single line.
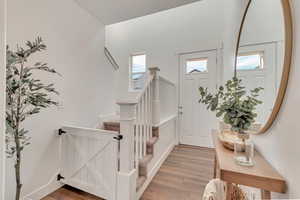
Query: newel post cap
[[154, 69]]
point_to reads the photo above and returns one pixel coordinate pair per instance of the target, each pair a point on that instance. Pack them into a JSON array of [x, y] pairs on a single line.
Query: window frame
[[131, 73], [253, 52]]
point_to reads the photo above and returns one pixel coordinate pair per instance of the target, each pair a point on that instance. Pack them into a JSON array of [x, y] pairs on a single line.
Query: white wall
[[281, 143], [2, 96], [162, 36], [167, 95], [75, 42], [261, 26], [232, 21], [263, 23]]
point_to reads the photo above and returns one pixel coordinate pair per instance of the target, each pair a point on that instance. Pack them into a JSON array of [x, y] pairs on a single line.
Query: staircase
[[136, 124], [144, 162], [125, 151], [146, 140]]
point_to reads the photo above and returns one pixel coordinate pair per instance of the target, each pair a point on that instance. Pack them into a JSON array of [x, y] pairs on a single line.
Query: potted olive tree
[[235, 107], [26, 95]]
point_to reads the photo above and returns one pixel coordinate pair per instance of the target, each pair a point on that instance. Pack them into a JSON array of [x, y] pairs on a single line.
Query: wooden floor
[[183, 176]]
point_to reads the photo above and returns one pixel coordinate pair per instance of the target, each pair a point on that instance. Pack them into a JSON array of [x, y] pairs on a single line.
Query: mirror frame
[[288, 26]]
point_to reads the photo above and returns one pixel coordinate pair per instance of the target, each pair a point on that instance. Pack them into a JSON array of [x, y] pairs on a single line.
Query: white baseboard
[[155, 169], [43, 191]]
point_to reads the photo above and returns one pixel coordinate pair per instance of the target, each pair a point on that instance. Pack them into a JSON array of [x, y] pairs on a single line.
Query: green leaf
[[26, 95]]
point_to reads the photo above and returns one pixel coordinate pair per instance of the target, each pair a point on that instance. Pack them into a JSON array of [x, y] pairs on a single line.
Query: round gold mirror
[[263, 55]]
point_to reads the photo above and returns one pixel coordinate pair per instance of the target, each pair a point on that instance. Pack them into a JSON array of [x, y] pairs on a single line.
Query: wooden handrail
[[111, 59]]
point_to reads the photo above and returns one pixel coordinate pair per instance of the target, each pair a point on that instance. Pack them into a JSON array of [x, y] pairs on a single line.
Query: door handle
[[180, 112]]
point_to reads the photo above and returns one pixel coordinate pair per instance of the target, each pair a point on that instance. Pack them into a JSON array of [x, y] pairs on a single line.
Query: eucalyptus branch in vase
[[25, 96], [232, 103]]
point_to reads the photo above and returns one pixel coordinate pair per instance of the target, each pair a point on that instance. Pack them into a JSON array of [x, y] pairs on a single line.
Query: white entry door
[[196, 123]]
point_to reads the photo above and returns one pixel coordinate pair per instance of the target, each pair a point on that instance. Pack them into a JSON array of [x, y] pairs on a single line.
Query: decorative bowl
[[227, 138]]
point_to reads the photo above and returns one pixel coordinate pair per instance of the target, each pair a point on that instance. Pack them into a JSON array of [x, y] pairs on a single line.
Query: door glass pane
[[196, 65], [250, 61]]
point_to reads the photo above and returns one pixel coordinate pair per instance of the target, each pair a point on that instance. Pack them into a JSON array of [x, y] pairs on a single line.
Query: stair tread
[[152, 140], [145, 160], [140, 182]]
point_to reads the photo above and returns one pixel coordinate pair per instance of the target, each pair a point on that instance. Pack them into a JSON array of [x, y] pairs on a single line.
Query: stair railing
[[137, 117], [111, 59], [143, 122]]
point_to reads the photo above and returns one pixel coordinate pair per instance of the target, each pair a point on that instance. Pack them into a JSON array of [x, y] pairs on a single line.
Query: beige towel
[[215, 190]]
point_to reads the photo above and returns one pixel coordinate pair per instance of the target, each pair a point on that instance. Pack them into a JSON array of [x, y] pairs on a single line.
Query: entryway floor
[[183, 176]]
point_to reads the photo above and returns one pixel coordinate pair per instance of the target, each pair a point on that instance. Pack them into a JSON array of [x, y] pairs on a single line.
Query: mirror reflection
[[261, 53]]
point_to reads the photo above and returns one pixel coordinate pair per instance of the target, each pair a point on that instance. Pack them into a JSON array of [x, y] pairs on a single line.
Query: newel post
[[126, 189], [155, 98], [127, 118]]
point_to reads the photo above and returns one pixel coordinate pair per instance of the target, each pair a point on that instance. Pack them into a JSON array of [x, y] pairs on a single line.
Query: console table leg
[[265, 194], [229, 191], [215, 167]]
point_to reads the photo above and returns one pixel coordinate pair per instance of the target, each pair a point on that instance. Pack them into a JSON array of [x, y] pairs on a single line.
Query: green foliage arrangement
[[25, 96], [232, 103]]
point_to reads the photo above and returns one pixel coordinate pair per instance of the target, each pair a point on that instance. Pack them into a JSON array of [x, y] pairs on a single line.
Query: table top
[[262, 175]]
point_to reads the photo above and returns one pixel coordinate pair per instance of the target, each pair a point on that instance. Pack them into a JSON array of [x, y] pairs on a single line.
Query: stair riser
[[150, 149], [155, 132], [143, 171]]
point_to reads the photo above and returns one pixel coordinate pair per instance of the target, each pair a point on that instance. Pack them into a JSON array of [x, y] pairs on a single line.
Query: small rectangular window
[[250, 61], [138, 71], [196, 65]]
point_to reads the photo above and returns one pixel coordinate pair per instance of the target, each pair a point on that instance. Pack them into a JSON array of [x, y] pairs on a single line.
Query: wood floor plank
[[183, 176]]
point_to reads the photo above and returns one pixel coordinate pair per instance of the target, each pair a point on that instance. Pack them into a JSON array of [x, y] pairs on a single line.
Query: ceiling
[[113, 11]]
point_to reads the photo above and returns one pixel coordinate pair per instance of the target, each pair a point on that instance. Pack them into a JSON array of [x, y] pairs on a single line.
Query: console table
[[262, 175]]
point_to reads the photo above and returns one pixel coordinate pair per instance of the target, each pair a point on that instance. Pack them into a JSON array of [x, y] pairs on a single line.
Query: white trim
[[166, 80], [164, 121], [44, 190], [261, 43], [155, 169], [197, 51]]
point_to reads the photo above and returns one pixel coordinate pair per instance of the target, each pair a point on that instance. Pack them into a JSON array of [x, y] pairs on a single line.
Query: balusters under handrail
[[143, 122], [137, 117]]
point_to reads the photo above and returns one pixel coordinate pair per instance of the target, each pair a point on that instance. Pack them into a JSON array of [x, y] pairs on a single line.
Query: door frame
[[220, 77]]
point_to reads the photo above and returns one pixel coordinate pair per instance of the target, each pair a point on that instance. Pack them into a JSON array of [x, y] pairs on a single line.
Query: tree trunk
[[17, 141], [18, 175]]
